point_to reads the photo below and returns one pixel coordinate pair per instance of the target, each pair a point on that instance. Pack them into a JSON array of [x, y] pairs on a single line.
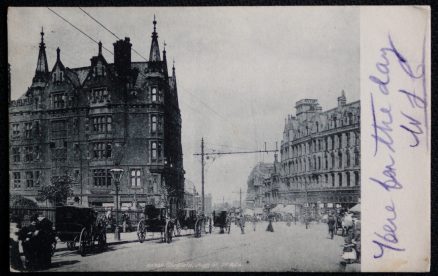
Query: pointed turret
[[173, 84], [154, 54], [42, 69], [165, 60]]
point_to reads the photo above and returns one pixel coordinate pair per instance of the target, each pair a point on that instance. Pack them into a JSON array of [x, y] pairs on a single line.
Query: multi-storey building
[[84, 121], [320, 154], [257, 193]]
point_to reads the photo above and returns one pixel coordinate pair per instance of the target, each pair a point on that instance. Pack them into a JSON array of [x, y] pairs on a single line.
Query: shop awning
[[355, 208]]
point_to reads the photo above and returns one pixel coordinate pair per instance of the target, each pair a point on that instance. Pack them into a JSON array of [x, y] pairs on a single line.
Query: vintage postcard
[[291, 139]]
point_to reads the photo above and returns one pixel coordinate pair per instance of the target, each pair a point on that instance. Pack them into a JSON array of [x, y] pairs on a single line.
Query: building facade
[[82, 122], [257, 194], [320, 154]]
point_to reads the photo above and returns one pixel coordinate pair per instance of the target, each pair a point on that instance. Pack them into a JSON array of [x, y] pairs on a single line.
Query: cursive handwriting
[[382, 130], [391, 181], [388, 240]]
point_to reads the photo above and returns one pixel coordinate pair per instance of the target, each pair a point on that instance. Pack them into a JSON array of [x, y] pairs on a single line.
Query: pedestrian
[[254, 221], [331, 225], [270, 228], [242, 223]]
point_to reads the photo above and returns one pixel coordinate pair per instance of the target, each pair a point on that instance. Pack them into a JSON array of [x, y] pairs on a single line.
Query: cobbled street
[[293, 248]]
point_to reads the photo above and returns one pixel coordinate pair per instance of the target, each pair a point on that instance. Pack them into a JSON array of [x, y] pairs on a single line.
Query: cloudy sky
[[239, 70]]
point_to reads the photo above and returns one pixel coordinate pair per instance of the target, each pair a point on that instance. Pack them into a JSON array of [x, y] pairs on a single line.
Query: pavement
[[292, 248]]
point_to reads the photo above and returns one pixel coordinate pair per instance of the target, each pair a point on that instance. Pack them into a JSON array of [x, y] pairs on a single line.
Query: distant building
[[256, 184], [208, 201], [84, 121], [320, 154]]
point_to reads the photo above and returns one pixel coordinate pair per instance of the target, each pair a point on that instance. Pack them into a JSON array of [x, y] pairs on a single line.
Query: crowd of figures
[[350, 228], [37, 240]]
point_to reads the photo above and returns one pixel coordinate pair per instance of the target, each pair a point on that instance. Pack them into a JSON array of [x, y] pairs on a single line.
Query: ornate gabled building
[[257, 193], [320, 154], [84, 121]]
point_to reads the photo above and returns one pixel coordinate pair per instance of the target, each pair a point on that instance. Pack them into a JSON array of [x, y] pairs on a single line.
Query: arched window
[[154, 150], [154, 94], [356, 157], [340, 179], [319, 162], [348, 179], [340, 160], [333, 179], [356, 178], [326, 161], [332, 156], [348, 158]]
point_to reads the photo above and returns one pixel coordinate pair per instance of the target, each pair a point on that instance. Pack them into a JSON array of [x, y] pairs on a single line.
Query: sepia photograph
[[185, 139]]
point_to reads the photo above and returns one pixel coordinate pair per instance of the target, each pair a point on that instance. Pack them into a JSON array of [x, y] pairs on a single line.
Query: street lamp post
[[116, 174]]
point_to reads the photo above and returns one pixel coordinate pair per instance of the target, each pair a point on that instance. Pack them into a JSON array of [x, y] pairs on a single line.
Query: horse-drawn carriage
[[155, 220], [222, 220], [77, 224], [188, 219]]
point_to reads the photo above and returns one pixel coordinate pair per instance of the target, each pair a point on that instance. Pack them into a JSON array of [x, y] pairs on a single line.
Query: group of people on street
[[351, 233], [36, 241]]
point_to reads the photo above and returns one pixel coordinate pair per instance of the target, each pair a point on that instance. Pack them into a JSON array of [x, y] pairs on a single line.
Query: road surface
[[291, 248]]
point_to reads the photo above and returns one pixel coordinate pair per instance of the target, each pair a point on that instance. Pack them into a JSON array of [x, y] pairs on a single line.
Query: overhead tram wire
[[71, 24], [111, 32], [95, 41]]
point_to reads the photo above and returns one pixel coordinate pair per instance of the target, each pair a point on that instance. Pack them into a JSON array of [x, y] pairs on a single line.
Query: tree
[[21, 201], [58, 191]]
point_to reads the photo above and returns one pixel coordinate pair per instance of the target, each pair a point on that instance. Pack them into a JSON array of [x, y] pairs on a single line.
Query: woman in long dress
[[270, 228]]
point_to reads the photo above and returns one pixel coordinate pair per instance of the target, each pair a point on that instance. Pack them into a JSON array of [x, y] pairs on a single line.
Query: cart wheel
[[83, 241], [141, 231]]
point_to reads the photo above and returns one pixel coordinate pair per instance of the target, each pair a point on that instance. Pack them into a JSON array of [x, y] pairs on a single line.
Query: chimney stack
[[122, 57]]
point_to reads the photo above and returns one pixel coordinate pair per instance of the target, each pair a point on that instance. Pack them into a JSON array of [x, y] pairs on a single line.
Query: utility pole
[[202, 160], [203, 154]]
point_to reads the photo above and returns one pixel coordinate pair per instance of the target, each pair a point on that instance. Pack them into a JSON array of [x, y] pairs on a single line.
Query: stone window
[[99, 95], [135, 178], [356, 178], [102, 150], [102, 124], [340, 160], [348, 158], [101, 177], [28, 154], [59, 100], [156, 151], [356, 157], [333, 160], [36, 127], [153, 123], [59, 128], [15, 130], [17, 180], [27, 130], [154, 94], [340, 179], [29, 179], [16, 154], [348, 179]]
